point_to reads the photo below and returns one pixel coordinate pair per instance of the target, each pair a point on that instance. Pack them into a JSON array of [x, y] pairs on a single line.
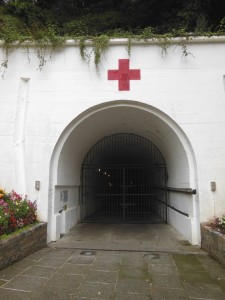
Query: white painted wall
[[51, 118]]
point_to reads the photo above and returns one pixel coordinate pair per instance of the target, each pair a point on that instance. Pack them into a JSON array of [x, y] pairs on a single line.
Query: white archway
[[115, 117]]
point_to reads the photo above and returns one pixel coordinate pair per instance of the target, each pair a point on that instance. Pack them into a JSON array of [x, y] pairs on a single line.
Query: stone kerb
[[213, 242], [19, 246]]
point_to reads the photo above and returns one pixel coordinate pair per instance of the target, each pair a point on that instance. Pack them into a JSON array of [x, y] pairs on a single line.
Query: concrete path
[[135, 237], [58, 272]]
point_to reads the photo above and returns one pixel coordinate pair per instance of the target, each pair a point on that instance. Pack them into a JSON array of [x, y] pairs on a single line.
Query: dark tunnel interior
[[123, 180]]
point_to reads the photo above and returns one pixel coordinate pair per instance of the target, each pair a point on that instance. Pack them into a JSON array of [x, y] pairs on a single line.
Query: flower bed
[[20, 234], [19, 245], [15, 212], [213, 241]]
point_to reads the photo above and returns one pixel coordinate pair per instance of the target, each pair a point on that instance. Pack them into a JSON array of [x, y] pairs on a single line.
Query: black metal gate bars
[[124, 180]]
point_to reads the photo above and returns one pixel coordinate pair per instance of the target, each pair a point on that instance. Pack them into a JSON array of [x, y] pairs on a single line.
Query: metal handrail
[[182, 190]]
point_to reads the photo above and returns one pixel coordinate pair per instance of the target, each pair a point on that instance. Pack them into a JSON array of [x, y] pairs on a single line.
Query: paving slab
[[204, 291], [92, 290], [65, 281], [101, 276], [164, 259], [56, 293], [167, 281], [61, 253], [24, 283], [163, 270], [58, 272], [169, 294], [131, 296], [51, 262], [134, 286], [9, 273], [74, 269], [14, 294], [106, 266], [133, 273], [197, 277], [39, 271], [23, 264], [81, 260]]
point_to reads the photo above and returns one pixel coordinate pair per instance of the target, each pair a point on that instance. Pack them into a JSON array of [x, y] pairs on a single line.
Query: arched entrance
[[123, 180], [110, 119]]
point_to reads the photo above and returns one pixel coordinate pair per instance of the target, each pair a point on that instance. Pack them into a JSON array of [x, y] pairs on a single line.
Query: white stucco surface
[[51, 118]]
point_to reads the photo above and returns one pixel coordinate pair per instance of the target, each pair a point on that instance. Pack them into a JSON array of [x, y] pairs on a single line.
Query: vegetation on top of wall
[[48, 24]]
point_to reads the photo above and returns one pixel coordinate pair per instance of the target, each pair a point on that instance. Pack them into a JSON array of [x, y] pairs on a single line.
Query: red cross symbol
[[124, 75]]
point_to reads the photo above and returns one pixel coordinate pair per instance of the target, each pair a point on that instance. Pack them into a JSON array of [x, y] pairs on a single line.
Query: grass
[[18, 231]]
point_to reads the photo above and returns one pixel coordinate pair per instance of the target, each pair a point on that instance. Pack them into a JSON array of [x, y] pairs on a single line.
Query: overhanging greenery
[[48, 24]]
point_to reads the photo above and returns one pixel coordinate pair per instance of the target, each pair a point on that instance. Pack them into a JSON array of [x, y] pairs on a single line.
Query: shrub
[[219, 224], [15, 212]]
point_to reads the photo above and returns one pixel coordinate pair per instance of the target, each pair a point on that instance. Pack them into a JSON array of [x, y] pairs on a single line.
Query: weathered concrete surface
[[135, 237], [57, 272], [67, 274]]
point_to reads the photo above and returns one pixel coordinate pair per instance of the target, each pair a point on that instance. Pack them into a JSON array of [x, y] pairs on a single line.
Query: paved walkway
[[135, 237], [68, 273]]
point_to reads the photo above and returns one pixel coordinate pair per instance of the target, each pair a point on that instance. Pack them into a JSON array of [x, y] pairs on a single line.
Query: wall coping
[[210, 229], [146, 42]]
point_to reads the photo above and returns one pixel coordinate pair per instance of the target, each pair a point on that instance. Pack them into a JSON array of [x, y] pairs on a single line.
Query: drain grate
[[87, 252]]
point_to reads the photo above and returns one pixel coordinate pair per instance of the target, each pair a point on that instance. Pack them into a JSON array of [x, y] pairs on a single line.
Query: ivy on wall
[[47, 42], [24, 24]]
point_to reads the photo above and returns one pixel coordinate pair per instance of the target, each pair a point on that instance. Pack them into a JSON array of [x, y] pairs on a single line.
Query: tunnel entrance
[[123, 180]]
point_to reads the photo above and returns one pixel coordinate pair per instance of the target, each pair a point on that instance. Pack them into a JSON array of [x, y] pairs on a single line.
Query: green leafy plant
[[40, 25], [46, 42], [99, 46]]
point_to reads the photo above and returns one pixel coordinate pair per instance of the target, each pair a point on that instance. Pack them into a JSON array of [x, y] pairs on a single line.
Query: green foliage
[[128, 15], [46, 41], [28, 13], [11, 31], [94, 24], [76, 28], [48, 23], [100, 44], [221, 27], [83, 52], [148, 33], [103, 22], [5, 236], [15, 31]]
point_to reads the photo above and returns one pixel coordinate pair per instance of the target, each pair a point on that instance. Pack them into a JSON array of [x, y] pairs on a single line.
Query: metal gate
[[124, 180]]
